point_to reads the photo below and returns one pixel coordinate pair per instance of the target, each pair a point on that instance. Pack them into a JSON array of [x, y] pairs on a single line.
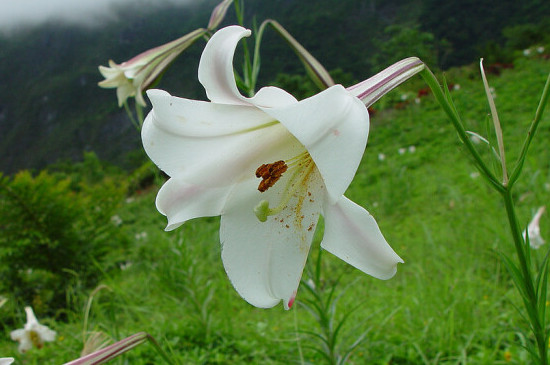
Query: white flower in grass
[[141, 236], [33, 333], [116, 220], [533, 230], [269, 166], [6, 360]]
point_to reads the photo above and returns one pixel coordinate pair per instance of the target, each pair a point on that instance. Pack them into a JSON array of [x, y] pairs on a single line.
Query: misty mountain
[[51, 108]]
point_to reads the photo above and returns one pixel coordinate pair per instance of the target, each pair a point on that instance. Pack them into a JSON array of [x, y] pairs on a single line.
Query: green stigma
[[262, 210]]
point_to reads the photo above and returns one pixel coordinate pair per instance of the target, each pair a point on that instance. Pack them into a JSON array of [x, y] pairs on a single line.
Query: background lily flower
[[533, 230], [269, 165], [6, 360], [108, 353], [372, 89], [133, 77], [33, 333], [218, 14]]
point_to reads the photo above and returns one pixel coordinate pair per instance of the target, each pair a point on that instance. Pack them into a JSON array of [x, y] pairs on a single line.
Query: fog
[[24, 13]]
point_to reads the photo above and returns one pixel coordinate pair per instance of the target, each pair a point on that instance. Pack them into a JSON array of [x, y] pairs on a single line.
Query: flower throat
[[301, 167]]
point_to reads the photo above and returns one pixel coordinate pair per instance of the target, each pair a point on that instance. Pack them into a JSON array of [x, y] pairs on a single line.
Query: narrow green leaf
[[514, 272], [531, 133], [315, 70]]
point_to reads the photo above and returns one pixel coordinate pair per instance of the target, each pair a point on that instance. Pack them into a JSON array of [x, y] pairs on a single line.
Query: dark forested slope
[[52, 109]]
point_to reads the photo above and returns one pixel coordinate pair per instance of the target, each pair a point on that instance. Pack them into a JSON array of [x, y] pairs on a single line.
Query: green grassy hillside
[[452, 302]]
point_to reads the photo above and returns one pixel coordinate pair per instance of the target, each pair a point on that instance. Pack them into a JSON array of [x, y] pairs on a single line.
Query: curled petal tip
[[291, 301]]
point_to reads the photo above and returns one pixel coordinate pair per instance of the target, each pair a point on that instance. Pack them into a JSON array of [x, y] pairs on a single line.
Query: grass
[[452, 302]]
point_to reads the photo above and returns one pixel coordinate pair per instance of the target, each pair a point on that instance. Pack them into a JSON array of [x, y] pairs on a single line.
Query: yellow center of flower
[[300, 167], [36, 340]]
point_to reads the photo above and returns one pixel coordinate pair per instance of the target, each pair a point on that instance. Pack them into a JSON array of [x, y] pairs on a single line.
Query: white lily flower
[[133, 77], [533, 230], [372, 89], [6, 360], [269, 166], [33, 333]]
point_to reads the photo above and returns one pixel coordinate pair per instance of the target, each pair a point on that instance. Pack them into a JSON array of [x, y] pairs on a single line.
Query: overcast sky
[[15, 13]]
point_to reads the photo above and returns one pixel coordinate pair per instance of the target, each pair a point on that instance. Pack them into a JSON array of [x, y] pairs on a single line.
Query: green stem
[[159, 349], [531, 299], [449, 109], [248, 72], [139, 113], [131, 116], [298, 340], [526, 283]]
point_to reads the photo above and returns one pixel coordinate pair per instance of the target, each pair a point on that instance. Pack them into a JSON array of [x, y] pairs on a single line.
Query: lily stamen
[[270, 174], [302, 166]]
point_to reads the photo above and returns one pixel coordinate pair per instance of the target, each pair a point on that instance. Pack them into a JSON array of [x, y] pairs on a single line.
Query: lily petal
[[265, 260], [216, 66], [18, 334], [31, 318], [180, 201], [333, 126], [197, 135], [195, 118], [372, 89], [271, 97], [217, 76], [352, 234]]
